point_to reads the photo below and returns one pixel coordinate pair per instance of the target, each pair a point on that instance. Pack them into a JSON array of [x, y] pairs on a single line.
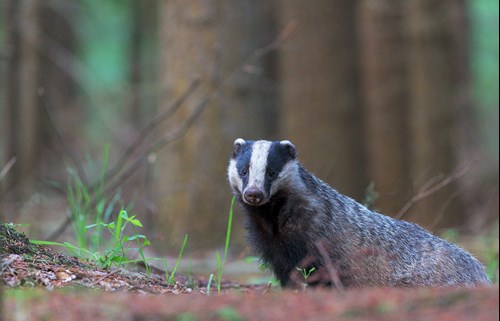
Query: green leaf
[[136, 222]]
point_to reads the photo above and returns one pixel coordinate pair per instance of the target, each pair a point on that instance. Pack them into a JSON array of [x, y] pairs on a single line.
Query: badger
[[295, 222]]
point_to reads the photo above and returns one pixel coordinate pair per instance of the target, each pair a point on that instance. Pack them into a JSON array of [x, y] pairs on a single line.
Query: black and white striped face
[[257, 168]]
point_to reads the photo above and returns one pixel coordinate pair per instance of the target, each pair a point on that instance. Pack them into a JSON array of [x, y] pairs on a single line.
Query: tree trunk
[[321, 110], [38, 72], [433, 107], [22, 91], [383, 34], [211, 40]]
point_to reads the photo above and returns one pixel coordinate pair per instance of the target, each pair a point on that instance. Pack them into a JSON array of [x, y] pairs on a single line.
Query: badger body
[[296, 221]]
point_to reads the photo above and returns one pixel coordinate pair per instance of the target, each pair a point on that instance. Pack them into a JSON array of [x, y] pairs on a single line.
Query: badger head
[[259, 169]]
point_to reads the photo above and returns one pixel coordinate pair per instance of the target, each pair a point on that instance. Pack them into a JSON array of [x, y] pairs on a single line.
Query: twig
[[147, 130], [104, 277], [443, 208], [276, 43], [71, 154], [430, 189], [7, 167], [167, 138], [332, 271]]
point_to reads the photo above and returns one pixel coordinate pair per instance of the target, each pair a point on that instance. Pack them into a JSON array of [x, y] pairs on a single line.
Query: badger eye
[[244, 172], [271, 173]]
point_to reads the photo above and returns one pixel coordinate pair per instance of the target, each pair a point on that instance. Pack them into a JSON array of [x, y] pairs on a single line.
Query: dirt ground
[[41, 284]]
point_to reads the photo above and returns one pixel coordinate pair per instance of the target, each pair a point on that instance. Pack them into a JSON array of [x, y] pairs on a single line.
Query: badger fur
[[296, 221]]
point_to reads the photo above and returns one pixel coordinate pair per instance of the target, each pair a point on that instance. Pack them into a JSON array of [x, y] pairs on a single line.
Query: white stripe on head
[[234, 178], [258, 164]]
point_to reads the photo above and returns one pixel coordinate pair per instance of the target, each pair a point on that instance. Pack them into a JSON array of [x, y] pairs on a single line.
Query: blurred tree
[[321, 110], [23, 66], [212, 40], [38, 71], [435, 95], [384, 33]]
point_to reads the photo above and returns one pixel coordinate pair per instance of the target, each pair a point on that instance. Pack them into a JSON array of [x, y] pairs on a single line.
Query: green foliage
[[452, 235], [492, 265], [371, 196], [170, 279], [229, 314], [89, 207], [209, 283], [222, 261], [489, 243], [115, 253], [186, 316], [107, 244], [306, 272], [484, 17]]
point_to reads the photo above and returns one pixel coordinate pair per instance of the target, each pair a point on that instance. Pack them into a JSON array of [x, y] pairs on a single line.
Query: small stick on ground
[[104, 277]]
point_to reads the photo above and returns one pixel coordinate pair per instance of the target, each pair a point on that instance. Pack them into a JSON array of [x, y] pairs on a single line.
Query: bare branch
[[166, 139], [65, 146], [147, 130], [7, 167], [429, 189]]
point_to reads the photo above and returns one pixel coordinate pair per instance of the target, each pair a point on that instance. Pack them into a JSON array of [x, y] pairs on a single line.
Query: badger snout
[[253, 196]]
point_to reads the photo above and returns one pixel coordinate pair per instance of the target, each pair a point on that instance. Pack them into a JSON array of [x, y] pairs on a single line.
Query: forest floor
[[41, 284]]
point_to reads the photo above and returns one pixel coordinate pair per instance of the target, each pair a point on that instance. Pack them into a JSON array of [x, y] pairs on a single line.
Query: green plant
[[490, 254], [170, 279], [89, 206], [209, 283], [119, 243], [186, 316], [371, 196], [222, 261], [306, 272], [89, 209], [229, 314], [451, 235]]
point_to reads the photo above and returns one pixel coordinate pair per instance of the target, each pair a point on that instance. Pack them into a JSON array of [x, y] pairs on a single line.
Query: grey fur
[[364, 248]]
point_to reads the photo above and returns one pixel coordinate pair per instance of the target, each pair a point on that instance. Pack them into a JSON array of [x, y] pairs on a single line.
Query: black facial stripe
[[243, 162], [276, 160]]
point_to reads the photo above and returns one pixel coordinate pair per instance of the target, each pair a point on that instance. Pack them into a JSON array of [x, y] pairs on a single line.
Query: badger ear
[[237, 146], [290, 148]]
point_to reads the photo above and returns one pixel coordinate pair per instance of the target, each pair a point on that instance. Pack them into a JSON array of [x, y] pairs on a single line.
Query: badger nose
[[253, 196]]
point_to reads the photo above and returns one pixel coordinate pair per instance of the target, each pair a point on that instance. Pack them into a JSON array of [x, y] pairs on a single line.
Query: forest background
[[393, 103]]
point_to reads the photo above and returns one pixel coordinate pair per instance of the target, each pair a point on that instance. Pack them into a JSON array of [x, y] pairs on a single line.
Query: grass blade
[[171, 278]]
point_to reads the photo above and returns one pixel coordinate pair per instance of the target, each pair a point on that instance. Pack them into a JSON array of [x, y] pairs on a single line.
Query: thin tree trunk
[[211, 40], [321, 108], [433, 107], [10, 81], [383, 34], [28, 121]]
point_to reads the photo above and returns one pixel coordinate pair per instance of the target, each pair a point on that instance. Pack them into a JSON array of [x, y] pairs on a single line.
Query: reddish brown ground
[[367, 304], [41, 284]]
